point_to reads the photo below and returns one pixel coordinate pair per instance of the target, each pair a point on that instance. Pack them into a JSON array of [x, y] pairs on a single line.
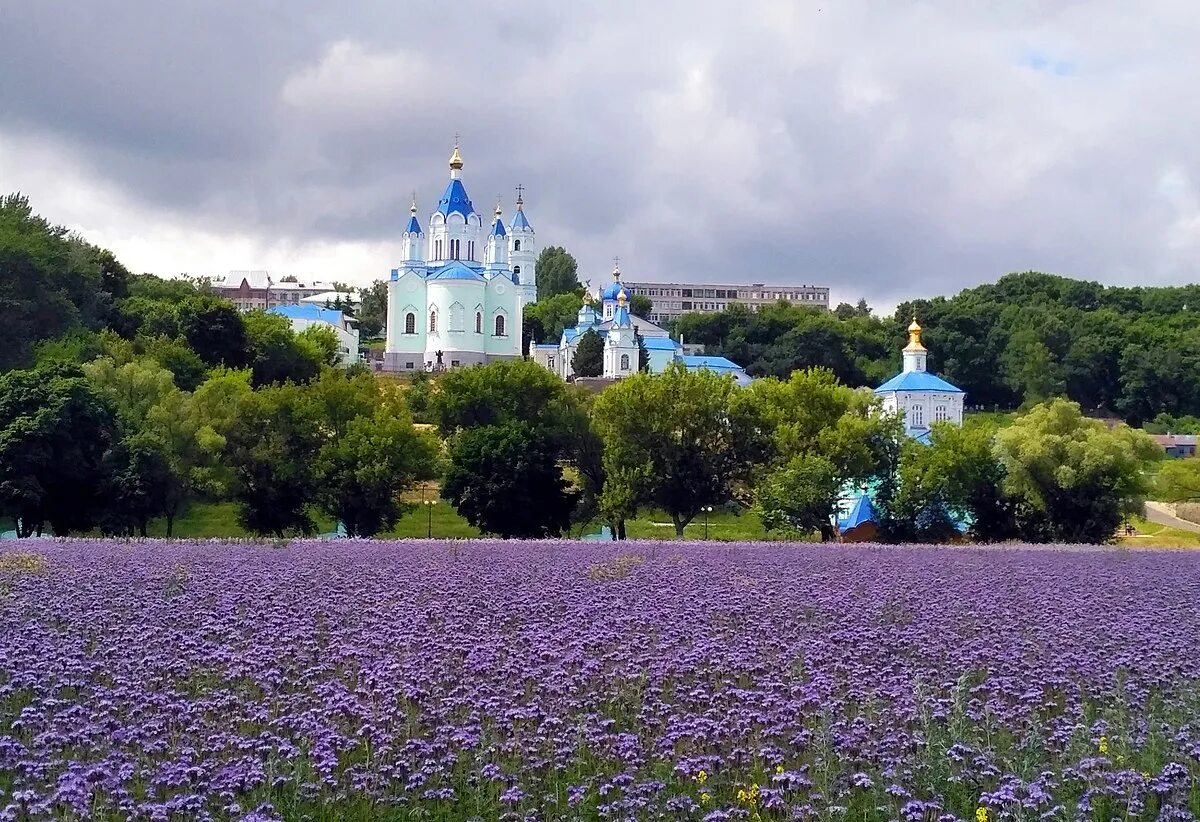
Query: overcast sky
[[885, 149]]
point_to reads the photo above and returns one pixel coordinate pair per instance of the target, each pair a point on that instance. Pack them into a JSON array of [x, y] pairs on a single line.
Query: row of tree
[[1024, 339], [790, 449]]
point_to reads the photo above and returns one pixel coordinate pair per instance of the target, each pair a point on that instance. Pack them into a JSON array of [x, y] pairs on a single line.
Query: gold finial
[[616, 268], [621, 298], [914, 337], [587, 296], [498, 211], [413, 208], [456, 161]]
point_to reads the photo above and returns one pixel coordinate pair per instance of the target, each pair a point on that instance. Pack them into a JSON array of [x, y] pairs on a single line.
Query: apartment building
[[250, 290], [671, 300]]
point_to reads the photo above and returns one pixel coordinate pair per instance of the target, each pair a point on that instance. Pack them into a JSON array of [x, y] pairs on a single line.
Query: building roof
[[414, 225], [454, 270], [254, 279], [519, 220], [611, 291], [308, 311], [498, 228], [861, 511], [455, 200], [621, 317], [660, 344], [553, 346], [1174, 440], [311, 285], [331, 296], [716, 363], [917, 381]]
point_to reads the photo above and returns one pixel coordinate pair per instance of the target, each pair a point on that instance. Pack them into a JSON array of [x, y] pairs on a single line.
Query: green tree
[[140, 485], [55, 430], [51, 282], [679, 441], [557, 272], [1072, 478], [269, 449], [550, 315], [214, 329], [133, 388], [640, 305], [643, 353], [1178, 481], [277, 354], [821, 437], [588, 359], [362, 472], [499, 393], [187, 369], [956, 478], [372, 314], [506, 480]]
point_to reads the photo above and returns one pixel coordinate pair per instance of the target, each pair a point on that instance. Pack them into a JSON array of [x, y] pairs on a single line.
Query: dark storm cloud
[[886, 151]]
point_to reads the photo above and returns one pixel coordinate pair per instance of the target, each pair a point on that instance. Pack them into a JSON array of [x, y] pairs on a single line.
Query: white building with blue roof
[[922, 398], [619, 328], [458, 295], [307, 315]]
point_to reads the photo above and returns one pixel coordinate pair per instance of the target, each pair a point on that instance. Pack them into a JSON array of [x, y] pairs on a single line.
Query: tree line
[[1130, 351]]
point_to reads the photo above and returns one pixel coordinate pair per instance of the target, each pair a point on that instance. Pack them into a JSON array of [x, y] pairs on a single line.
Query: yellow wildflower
[[705, 798], [1104, 745], [981, 814], [742, 796], [702, 777], [778, 769]]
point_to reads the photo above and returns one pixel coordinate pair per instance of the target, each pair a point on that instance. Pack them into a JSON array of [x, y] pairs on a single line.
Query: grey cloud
[[887, 151]]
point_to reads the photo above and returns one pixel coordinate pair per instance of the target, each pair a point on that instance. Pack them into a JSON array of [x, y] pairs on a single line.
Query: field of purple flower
[[566, 681]]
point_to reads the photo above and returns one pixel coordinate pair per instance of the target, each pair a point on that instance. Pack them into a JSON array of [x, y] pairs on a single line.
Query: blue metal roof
[[455, 200], [414, 226], [519, 220], [660, 344], [609, 294], [454, 270], [917, 381], [621, 317], [716, 363], [546, 345], [861, 511], [498, 228], [310, 311]]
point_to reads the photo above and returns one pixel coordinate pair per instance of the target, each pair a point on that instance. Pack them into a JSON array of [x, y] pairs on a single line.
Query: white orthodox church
[[457, 296], [620, 330], [920, 397]]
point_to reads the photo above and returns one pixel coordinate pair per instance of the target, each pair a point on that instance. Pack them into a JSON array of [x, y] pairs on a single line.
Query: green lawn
[[1153, 535]]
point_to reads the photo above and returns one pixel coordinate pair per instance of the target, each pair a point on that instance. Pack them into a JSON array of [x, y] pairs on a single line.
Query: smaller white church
[[619, 329], [922, 398]]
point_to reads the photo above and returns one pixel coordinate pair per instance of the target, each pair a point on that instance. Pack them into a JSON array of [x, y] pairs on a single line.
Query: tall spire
[[520, 221], [456, 160], [914, 354], [414, 225]]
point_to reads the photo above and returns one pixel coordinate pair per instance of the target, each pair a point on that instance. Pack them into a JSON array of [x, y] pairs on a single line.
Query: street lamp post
[[707, 509], [429, 503]]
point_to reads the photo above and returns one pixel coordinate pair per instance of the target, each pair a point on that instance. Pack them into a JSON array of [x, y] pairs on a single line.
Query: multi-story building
[[671, 300], [250, 290]]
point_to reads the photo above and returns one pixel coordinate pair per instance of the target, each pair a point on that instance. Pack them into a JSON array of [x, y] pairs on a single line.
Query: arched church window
[[410, 323], [499, 325], [516, 269], [457, 317], [478, 323], [516, 245], [471, 250], [918, 416], [432, 322], [624, 362], [939, 413], [437, 249]]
